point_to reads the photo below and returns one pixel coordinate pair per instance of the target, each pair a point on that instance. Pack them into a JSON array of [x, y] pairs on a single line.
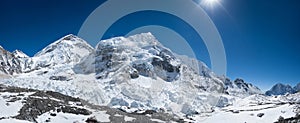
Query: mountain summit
[[281, 89], [19, 54], [9, 62], [65, 50]]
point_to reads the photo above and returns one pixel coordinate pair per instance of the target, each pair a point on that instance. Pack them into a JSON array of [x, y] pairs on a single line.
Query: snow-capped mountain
[[297, 88], [240, 88], [134, 74], [237, 88], [19, 54], [141, 73], [9, 63], [281, 89], [67, 50]]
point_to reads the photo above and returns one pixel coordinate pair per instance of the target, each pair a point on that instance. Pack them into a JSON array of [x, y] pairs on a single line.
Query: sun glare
[[210, 3]]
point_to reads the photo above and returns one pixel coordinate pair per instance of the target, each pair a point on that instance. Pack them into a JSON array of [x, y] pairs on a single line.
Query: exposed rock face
[[35, 106], [248, 87], [140, 57], [138, 68], [240, 88], [282, 89], [295, 119]]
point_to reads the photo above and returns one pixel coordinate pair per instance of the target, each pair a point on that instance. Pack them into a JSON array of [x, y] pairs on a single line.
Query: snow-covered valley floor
[[255, 114]]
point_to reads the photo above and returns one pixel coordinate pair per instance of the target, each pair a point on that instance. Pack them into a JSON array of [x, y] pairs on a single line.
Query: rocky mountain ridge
[[282, 89]]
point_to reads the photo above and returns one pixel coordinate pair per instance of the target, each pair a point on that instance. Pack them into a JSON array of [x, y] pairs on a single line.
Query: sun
[[210, 3]]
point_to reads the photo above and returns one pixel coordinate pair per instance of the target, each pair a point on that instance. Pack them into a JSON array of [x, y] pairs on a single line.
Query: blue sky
[[261, 37]]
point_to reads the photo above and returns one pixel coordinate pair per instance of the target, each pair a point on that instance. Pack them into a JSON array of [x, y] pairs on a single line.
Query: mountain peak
[[297, 87], [138, 40], [240, 88], [69, 37], [281, 85], [4, 52], [19, 54], [147, 34], [280, 89], [67, 42], [2, 49], [66, 50], [8, 62], [143, 53], [145, 38]]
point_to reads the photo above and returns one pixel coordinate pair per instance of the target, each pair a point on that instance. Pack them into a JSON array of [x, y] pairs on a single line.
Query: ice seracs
[[21, 105]]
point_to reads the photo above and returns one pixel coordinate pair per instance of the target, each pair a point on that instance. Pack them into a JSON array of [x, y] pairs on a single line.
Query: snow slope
[[67, 50], [270, 115]]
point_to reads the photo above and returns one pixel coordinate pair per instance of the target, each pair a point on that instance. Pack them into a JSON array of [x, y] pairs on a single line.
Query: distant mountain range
[[281, 89]]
